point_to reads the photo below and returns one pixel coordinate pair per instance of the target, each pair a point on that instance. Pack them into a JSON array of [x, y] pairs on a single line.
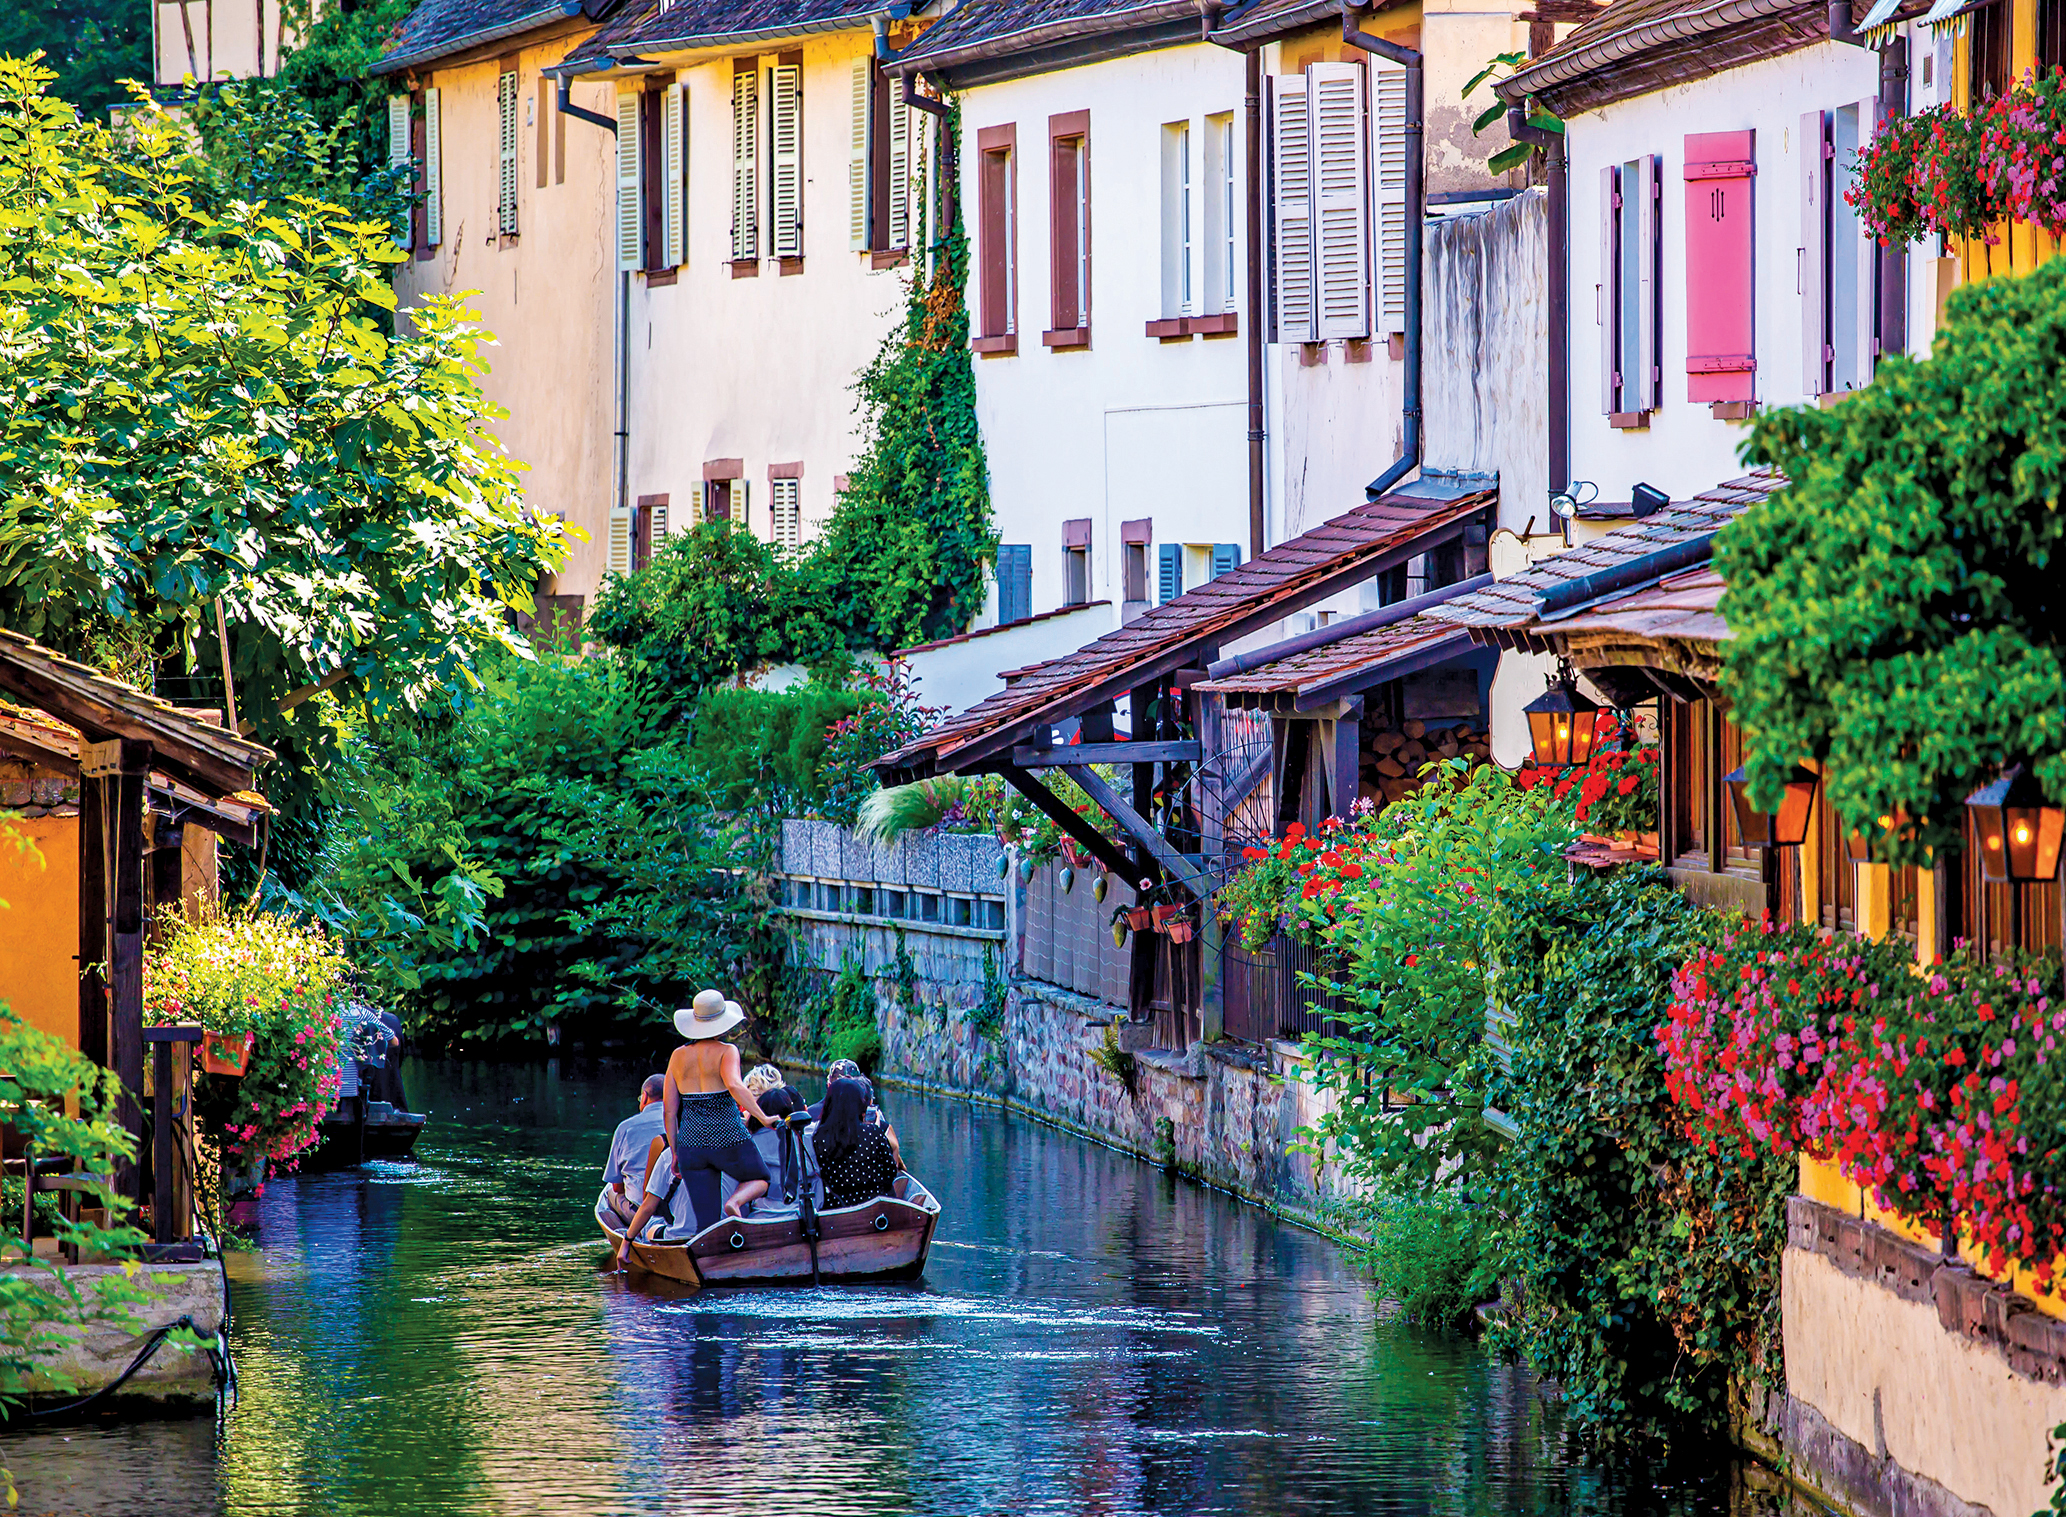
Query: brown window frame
[[1990, 51], [642, 530], [1069, 230], [997, 159]]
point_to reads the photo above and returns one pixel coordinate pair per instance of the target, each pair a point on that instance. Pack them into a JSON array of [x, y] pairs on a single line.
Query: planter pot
[[225, 1053], [1164, 915], [1180, 932], [1141, 918]]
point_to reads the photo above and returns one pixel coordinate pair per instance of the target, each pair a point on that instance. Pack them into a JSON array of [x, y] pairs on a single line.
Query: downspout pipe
[[1416, 222], [1559, 215], [1252, 76], [937, 109], [1840, 28], [620, 486]]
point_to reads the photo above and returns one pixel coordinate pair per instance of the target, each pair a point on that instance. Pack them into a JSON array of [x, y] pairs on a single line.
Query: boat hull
[[344, 1144], [886, 1239]]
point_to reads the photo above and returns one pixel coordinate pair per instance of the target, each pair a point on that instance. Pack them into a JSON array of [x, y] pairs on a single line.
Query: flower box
[[225, 1053]]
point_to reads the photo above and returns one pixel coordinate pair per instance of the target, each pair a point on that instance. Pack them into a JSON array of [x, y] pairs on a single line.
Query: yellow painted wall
[[2019, 246], [39, 929]]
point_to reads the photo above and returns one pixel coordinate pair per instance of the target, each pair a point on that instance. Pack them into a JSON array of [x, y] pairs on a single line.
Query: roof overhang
[[545, 15], [1645, 55], [57, 748], [1047, 46], [677, 50]]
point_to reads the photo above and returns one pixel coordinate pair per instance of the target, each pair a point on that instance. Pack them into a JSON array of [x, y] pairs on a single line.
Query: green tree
[[206, 409], [1897, 609], [92, 47]]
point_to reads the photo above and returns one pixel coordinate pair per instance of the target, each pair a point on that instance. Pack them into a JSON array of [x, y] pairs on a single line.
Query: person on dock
[[705, 1102], [630, 1145], [855, 1155]]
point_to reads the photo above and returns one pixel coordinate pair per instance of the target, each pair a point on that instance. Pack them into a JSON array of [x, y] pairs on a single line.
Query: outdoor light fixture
[[1564, 503], [2019, 829], [1785, 828], [1647, 500], [1561, 722]]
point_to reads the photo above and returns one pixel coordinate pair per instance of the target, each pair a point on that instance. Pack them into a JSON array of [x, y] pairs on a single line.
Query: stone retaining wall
[[176, 1378]]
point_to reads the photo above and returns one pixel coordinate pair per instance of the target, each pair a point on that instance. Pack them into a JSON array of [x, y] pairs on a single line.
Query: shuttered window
[[1291, 182], [1835, 257], [1341, 235], [1069, 226], [785, 504], [674, 157], [1226, 557], [858, 139], [1629, 305], [745, 165], [786, 140], [1014, 582], [900, 168], [998, 222], [1720, 362], [621, 530], [433, 170], [399, 155], [631, 204], [506, 199], [1177, 221], [1388, 113], [1169, 571]]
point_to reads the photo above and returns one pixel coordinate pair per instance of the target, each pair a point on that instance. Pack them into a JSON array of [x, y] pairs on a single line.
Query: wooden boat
[[359, 1130], [886, 1239]]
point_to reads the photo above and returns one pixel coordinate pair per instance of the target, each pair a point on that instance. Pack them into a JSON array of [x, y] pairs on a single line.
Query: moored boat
[[886, 1239]]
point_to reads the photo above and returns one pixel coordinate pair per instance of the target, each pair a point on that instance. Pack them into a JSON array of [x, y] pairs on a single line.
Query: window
[[785, 504], [1134, 537], [1988, 50], [1014, 582], [1076, 562], [1177, 249], [1069, 229], [1219, 220], [506, 200], [648, 528], [1320, 227], [724, 500], [1836, 876], [2051, 37], [1720, 361], [1835, 278], [785, 132], [879, 162], [1629, 304], [997, 218], [1169, 572], [745, 160]]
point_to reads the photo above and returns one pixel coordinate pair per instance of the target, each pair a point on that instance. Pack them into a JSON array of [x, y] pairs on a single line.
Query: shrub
[[283, 983], [770, 749], [846, 1026], [1434, 1254]]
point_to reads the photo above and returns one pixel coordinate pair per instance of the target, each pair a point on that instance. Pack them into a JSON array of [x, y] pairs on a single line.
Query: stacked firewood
[[1394, 757]]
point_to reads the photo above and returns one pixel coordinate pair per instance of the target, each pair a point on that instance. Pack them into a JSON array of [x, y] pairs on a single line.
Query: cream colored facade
[[741, 370], [208, 40], [546, 293]]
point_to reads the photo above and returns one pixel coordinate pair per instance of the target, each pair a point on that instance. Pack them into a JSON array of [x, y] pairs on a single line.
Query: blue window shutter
[[1225, 556], [1014, 582], [1169, 561]]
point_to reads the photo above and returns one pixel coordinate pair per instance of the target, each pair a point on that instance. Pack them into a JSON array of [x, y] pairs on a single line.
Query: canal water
[[1091, 1337]]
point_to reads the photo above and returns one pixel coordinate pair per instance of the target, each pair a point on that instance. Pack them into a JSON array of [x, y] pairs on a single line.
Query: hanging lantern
[[2019, 829], [1561, 723], [1785, 828]]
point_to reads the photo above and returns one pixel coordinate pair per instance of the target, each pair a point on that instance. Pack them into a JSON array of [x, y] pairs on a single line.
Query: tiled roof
[[592, 53], [720, 23], [995, 25], [1288, 577], [1635, 46], [1684, 606], [1496, 613], [1305, 680], [1259, 20], [439, 28]]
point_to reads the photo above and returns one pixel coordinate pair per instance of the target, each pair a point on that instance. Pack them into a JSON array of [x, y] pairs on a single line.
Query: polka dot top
[[861, 1174]]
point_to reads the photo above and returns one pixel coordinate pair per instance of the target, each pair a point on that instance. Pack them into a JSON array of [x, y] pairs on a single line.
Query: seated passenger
[[665, 1197], [854, 1155], [777, 1103], [630, 1150], [763, 1077]]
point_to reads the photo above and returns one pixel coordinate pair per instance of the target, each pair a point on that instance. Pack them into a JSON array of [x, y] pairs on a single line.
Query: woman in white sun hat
[[704, 1100]]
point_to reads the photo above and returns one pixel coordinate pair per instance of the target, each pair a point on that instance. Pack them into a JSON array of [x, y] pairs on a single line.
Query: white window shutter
[[745, 165], [398, 153], [787, 122], [506, 98], [857, 159], [620, 542], [1810, 253], [659, 515], [900, 169], [1291, 178], [1341, 226], [738, 494], [785, 494], [1649, 384], [673, 201], [433, 171], [1388, 112], [631, 207]]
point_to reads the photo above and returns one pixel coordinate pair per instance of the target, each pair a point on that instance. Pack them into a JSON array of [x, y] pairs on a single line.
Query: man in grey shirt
[[625, 1174]]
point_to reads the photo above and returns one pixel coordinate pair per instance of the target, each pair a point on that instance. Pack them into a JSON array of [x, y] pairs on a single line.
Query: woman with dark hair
[[854, 1155]]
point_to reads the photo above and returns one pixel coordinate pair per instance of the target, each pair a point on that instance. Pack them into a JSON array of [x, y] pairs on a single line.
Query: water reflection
[[1092, 1338]]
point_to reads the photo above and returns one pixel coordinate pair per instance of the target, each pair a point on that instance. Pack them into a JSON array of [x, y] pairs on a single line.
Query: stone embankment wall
[[176, 1378]]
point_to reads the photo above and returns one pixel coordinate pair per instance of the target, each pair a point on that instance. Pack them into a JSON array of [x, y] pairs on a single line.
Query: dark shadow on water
[[1092, 1337]]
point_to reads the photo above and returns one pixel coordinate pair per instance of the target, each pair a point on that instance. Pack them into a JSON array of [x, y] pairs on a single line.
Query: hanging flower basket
[[225, 1053], [1141, 918]]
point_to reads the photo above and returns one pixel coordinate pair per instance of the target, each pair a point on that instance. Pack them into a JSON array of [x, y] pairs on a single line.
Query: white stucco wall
[[759, 369], [1685, 449], [1131, 426], [546, 295], [225, 40]]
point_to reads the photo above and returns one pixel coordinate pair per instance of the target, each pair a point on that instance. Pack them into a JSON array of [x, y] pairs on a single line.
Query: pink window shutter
[[1720, 352]]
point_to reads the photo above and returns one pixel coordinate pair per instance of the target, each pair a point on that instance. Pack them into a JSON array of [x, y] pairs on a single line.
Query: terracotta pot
[[1180, 932], [1141, 918], [1164, 915], [225, 1053]]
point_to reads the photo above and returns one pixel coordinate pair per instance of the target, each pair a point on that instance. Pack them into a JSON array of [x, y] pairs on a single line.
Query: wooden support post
[[1102, 848], [1146, 728], [93, 921], [1345, 774], [1137, 827], [123, 766], [164, 1161], [1212, 963]]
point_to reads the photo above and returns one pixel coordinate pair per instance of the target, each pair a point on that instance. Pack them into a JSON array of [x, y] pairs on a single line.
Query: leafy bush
[[1894, 611], [892, 717], [547, 855], [1433, 1253], [62, 1105], [283, 983], [845, 1018], [769, 749]]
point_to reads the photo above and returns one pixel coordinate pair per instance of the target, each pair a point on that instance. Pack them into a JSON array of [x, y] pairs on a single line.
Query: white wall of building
[[1130, 426], [1685, 449]]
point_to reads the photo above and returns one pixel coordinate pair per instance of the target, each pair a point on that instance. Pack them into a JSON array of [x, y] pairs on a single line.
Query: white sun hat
[[710, 1015]]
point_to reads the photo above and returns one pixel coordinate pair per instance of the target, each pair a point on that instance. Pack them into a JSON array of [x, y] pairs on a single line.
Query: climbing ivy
[[1896, 610]]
